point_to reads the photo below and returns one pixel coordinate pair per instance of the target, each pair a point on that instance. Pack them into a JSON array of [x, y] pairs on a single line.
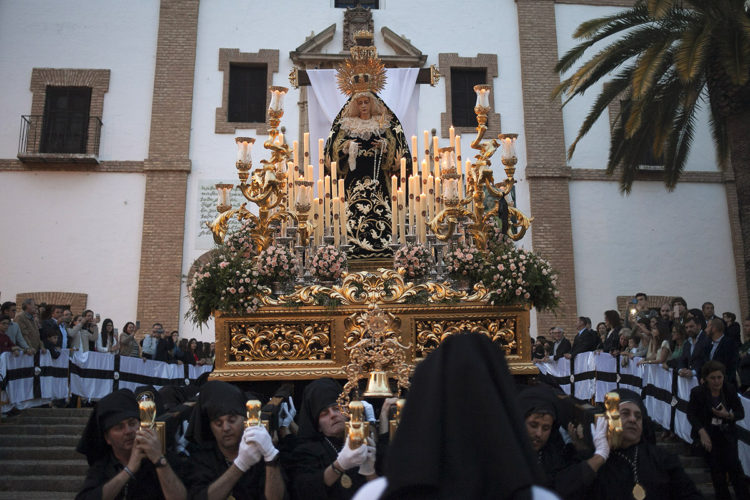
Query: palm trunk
[[738, 125]]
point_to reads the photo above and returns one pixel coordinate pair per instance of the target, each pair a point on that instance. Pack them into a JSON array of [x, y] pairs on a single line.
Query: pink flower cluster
[[277, 263], [415, 259], [465, 262], [328, 263]]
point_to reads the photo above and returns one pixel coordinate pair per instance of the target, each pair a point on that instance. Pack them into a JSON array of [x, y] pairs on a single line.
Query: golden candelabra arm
[[434, 75], [220, 224], [517, 228]]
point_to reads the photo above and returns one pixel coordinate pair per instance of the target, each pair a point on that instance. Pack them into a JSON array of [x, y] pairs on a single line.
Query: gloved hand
[[369, 411], [249, 453], [349, 458], [287, 411], [599, 435], [260, 436], [368, 467]]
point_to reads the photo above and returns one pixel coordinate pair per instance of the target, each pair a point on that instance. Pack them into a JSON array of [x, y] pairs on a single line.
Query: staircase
[[37, 454], [695, 466]]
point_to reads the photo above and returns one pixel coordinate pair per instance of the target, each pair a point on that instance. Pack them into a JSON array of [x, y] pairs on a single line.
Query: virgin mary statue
[[367, 143]]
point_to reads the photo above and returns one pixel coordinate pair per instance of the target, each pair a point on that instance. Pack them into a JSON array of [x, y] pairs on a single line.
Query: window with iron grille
[[247, 93], [463, 96], [65, 123]]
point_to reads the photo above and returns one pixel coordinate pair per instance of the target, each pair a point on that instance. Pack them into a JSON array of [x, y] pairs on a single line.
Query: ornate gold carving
[[355, 328], [280, 341], [431, 333], [386, 286]]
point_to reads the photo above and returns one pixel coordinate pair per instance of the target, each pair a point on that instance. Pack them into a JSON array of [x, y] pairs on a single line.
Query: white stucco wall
[[653, 241], [74, 232], [251, 26], [86, 34]]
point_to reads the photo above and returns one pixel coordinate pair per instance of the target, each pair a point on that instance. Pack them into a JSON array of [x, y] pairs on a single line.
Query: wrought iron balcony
[[59, 138]]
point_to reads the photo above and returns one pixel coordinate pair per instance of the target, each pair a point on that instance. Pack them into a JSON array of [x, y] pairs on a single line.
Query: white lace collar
[[363, 129]]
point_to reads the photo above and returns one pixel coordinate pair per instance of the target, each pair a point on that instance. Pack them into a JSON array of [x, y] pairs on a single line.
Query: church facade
[[119, 118]]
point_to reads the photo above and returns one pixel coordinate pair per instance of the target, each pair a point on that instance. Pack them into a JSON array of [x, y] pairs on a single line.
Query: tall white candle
[[344, 207], [401, 216], [430, 197], [427, 155], [418, 218], [394, 208], [452, 136], [414, 154], [336, 223], [327, 201], [306, 148], [436, 154]]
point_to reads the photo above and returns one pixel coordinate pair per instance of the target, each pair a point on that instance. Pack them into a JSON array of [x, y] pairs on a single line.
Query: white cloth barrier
[[651, 381], [91, 375], [743, 445]]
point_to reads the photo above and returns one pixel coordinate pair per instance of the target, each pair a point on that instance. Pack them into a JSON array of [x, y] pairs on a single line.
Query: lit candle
[[412, 215], [394, 208], [430, 197], [458, 149], [418, 218], [401, 216], [427, 145], [321, 162], [438, 195], [403, 175], [413, 148], [336, 223], [452, 135], [436, 155], [306, 148], [295, 152], [327, 201], [423, 225], [344, 221]]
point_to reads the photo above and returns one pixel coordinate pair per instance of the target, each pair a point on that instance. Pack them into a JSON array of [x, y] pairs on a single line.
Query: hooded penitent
[[109, 411], [462, 434], [215, 400]]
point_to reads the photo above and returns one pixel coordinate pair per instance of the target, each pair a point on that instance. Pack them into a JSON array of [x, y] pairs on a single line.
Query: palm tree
[[670, 59]]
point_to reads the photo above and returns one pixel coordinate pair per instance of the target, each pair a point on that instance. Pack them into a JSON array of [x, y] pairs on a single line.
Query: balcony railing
[[59, 137]]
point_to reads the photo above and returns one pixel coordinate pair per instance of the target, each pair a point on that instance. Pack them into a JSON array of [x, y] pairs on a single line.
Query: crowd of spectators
[[54, 328], [697, 344]]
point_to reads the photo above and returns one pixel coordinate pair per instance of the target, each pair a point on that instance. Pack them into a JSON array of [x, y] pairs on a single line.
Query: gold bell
[[377, 385]]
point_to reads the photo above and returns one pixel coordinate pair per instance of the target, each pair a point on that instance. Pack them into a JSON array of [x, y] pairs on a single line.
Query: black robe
[[659, 472], [145, 486], [207, 464], [567, 474], [307, 465]]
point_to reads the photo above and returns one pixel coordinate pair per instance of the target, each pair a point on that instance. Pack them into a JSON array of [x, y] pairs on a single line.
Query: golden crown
[[364, 71]]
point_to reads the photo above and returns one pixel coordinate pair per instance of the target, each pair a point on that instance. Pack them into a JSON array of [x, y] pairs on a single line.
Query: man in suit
[[586, 340], [695, 352], [51, 326], [560, 345], [26, 320], [723, 348]]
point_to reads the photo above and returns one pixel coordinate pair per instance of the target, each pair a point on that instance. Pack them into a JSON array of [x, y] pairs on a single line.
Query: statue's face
[[363, 105]]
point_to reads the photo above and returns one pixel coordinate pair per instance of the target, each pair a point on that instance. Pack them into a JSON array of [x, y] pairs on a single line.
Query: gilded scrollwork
[[385, 286], [431, 333], [280, 341]]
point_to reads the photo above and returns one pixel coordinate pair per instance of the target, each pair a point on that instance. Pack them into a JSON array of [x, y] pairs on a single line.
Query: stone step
[[56, 412], [38, 495], [699, 476], [45, 420], [47, 440], [41, 430], [39, 453], [23, 468], [33, 482]]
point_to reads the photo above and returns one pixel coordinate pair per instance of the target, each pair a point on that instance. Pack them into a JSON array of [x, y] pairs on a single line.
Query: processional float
[[373, 323]]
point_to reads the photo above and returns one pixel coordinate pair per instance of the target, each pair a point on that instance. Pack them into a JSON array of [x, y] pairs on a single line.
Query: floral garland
[[328, 263], [414, 259], [227, 281], [277, 263], [465, 262]]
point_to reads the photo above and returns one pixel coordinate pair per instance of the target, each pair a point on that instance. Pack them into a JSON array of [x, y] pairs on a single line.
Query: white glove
[[249, 453], [287, 411], [349, 458], [369, 411], [368, 467], [259, 436], [599, 435]]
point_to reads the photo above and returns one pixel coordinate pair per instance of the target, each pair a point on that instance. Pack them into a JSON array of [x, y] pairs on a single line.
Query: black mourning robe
[[566, 473], [659, 472], [145, 486], [207, 464]]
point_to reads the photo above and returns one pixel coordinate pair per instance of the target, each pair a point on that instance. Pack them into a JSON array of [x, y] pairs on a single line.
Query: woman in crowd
[[601, 330], [193, 355], [678, 341], [614, 325], [107, 341], [128, 345], [181, 352], [713, 409], [660, 346]]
